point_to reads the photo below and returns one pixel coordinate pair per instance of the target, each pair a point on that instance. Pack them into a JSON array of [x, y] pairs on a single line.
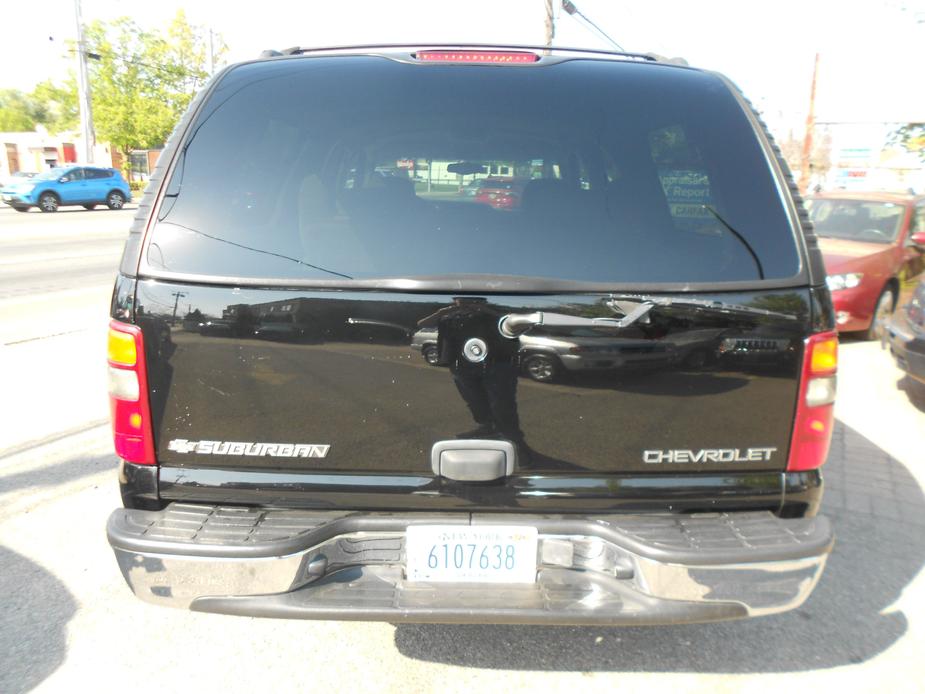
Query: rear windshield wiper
[[628, 304], [736, 234], [632, 307]]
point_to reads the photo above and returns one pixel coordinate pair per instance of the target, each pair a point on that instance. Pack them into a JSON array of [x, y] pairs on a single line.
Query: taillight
[[494, 57], [815, 417], [128, 395]]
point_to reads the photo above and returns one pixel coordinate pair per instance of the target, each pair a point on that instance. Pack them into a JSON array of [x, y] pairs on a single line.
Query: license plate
[[471, 554]]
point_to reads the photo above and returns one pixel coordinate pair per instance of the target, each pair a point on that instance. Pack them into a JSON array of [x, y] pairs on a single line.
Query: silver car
[[546, 353]]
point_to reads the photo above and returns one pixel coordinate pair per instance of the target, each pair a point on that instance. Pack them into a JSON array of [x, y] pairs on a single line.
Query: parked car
[[345, 479], [86, 186], [546, 354], [15, 177], [425, 342], [872, 243], [472, 188], [501, 193], [906, 334]]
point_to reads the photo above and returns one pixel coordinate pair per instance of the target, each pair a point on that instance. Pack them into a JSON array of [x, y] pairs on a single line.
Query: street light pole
[[550, 26], [806, 159], [211, 54], [88, 138]]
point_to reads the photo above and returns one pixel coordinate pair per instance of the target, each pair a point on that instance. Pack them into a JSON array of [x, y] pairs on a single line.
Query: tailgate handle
[[516, 324], [473, 460]]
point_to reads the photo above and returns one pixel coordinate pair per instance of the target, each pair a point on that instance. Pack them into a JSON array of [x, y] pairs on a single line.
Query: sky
[[872, 52]]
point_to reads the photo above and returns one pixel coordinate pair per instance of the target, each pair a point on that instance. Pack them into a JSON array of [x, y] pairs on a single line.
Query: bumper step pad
[[620, 569], [560, 596]]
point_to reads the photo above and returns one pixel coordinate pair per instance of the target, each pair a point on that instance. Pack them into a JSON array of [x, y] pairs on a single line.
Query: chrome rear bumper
[[646, 569]]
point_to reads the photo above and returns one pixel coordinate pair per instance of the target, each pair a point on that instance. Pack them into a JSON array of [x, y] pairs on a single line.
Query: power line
[[570, 8], [173, 69]]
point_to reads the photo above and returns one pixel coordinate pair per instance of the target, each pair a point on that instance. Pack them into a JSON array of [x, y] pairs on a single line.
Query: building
[[863, 159], [39, 150]]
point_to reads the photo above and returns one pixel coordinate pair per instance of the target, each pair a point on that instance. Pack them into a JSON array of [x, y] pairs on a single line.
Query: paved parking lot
[[68, 620]]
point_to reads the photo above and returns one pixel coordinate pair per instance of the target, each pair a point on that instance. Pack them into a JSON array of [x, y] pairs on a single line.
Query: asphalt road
[[41, 253], [56, 277], [67, 620]]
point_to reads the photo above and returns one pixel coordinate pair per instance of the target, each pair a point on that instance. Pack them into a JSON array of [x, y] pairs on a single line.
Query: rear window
[[364, 167]]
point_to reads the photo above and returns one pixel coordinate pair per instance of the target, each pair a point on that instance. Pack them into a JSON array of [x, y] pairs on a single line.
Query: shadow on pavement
[[65, 471], [914, 391], [33, 622], [879, 513]]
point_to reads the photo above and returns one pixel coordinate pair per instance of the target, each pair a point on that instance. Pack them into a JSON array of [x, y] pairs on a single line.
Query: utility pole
[[177, 296], [571, 9], [806, 159], [87, 136], [211, 54], [550, 26]]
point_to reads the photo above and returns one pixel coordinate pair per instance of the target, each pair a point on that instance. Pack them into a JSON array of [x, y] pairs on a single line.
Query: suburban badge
[[274, 450]]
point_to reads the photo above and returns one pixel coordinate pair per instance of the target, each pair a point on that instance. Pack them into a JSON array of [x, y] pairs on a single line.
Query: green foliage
[[57, 104], [910, 137], [144, 80], [141, 84], [50, 105], [17, 111]]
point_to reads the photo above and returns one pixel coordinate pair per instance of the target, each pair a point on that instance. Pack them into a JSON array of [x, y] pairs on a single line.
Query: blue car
[[87, 186]]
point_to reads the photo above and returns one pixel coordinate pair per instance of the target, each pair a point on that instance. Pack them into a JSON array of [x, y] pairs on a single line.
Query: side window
[[683, 177], [75, 175], [96, 173]]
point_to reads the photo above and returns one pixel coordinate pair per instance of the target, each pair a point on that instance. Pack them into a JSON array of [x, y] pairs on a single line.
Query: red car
[[874, 250], [502, 193]]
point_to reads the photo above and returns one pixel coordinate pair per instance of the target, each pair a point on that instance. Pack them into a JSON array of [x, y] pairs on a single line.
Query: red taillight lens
[[815, 418], [128, 394], [494, 57]]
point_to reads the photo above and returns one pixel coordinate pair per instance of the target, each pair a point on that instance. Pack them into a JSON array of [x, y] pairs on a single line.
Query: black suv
[[287, 453]]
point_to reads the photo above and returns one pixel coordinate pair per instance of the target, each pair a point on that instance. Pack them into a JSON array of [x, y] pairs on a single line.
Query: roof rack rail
[[299, 50], [677, 60], [273, 53]]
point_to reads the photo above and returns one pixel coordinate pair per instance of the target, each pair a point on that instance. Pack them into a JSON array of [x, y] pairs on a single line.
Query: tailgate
[[323, 302], [365, 384]]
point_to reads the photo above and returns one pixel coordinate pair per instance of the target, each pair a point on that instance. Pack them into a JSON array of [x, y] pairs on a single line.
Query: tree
[[143, 81], [820, 160], [17, 111], [56, 105], [53, 106], [910, 137]]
